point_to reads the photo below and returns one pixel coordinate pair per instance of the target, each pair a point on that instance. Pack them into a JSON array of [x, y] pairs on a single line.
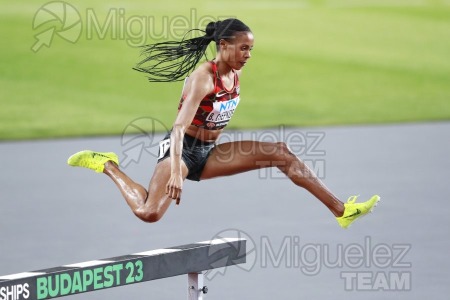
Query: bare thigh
[[157, 200], [242, 156]]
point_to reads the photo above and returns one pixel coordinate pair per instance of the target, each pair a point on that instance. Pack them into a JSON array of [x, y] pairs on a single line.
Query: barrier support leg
[[196, 289]]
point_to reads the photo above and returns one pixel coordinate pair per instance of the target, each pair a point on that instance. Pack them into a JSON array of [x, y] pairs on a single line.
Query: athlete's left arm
[[201, 84]]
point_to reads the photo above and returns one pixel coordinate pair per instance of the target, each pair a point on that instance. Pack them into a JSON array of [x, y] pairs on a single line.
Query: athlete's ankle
[[340, 210], [109, 166], [337, 209]]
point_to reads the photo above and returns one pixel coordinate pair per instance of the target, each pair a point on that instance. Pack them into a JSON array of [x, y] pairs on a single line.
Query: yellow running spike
[[353, 210], [92, 160]]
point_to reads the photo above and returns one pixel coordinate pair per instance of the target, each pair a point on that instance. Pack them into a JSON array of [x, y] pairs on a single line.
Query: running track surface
[[52, 214]]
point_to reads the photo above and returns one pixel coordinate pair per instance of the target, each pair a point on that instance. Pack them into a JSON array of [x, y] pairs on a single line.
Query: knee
[[283, 151], [151, 216]]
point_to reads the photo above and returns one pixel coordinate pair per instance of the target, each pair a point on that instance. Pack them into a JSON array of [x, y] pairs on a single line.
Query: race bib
[[221, 113], [164, 146]]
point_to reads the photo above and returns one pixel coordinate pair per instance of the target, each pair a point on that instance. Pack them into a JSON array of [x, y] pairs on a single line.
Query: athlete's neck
[[223, 68]]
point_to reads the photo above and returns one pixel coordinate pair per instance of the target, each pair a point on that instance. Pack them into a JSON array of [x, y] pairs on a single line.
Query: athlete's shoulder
[[203, 75], [203, 70], [200, 81]]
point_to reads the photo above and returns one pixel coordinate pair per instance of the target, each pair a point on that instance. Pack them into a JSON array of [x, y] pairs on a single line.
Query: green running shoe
[[92, 160], [353, 210]]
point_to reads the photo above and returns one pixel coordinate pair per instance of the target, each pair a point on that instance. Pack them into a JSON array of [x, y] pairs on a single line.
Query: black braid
[[171, 61]]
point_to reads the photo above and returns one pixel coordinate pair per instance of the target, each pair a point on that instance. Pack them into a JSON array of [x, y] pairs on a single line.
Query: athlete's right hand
[[174, 187]]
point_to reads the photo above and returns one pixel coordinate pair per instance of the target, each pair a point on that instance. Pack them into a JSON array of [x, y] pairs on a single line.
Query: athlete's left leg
[[237, 157]]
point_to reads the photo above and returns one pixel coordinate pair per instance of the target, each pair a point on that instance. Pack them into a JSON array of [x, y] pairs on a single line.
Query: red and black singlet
[[217, 108]]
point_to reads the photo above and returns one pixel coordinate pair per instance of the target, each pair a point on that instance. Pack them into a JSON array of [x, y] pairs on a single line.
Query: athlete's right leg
[[148, 206]]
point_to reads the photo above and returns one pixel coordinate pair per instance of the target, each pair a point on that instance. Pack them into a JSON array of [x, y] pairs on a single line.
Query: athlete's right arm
[[200, 84]]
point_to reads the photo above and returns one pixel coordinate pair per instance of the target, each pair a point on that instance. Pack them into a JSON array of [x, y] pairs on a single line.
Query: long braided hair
[[172, 60]]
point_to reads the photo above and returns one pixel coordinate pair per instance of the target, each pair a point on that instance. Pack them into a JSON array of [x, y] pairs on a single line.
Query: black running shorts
[[195, 154]]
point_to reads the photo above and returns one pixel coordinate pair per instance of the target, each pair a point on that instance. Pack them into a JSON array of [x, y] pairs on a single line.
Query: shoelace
[[352, 199]]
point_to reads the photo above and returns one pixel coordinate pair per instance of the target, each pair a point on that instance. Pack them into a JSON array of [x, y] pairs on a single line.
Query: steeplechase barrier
[[191, 259]]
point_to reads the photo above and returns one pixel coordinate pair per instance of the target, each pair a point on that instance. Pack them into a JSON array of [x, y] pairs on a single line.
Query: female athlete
[[189, 151]]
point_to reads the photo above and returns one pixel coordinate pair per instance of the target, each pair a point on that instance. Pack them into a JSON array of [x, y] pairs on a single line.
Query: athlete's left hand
[[174, 187]]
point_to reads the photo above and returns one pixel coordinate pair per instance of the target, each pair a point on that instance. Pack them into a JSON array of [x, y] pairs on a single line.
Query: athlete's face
[[236, 51]]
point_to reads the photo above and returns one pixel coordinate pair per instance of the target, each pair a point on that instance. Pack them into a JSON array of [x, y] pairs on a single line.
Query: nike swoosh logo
[[355, 214], [219, 94], [98, 154]]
